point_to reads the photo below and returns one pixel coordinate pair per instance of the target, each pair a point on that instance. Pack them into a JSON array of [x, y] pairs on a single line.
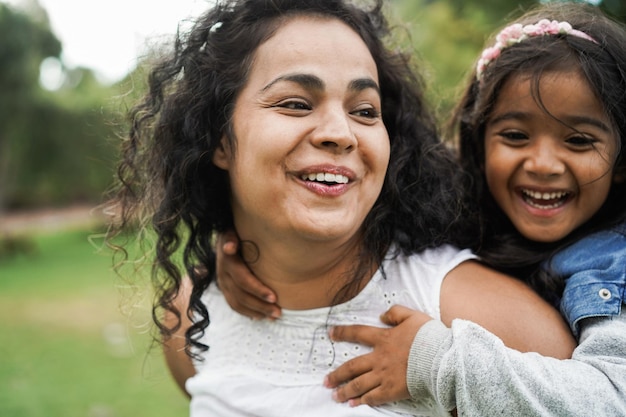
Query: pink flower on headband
[[511, 34], [546, 27], [491, 53], [517, 33]]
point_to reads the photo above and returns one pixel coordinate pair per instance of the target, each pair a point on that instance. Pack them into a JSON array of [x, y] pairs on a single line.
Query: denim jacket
[[595, 272]]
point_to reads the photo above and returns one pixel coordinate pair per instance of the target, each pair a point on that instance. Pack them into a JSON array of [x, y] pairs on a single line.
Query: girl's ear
[[221, 157], [619, 176]]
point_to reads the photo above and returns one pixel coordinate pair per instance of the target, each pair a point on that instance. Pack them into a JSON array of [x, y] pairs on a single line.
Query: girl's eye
[[514, 135], [581, 141]]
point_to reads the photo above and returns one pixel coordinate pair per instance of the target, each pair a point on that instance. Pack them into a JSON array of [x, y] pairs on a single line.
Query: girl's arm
[[474, 372], [504, 306], [178, 362]]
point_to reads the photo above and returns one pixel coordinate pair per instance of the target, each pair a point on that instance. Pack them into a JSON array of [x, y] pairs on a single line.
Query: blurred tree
[[68, 155], [55, 145], [25, 43]]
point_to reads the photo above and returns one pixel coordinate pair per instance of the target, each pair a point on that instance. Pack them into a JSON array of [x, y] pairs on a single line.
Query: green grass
[[66, 350]]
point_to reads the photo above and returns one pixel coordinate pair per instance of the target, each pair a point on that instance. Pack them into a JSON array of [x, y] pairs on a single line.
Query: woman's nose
[[334, 132]]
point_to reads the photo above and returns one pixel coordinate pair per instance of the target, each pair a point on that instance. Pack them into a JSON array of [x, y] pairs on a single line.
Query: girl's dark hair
[[603, 65], [167, 177]]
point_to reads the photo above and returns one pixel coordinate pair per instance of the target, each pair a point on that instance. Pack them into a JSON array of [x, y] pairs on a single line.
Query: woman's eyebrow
[[361, 84], [313, 82], [305, 80]]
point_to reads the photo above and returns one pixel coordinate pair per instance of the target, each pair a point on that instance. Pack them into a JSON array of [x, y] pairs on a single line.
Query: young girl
[[541, 127]]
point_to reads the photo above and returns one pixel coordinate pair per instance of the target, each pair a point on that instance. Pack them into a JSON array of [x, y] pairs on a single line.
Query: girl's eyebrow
[[313, 82], [511, 115], [572, 120], [586, 120]]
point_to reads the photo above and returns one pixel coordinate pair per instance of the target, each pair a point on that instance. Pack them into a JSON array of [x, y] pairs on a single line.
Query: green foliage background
[[56, 147], [59, 147]]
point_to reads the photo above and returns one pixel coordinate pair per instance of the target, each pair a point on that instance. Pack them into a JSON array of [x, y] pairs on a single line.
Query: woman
[[291, 122]]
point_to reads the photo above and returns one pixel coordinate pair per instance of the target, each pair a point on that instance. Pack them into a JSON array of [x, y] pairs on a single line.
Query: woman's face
[[549, 173], [311, 149]]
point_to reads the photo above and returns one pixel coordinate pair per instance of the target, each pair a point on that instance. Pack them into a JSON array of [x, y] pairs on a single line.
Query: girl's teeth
[[544, 206], [544, 196], [540, 200]]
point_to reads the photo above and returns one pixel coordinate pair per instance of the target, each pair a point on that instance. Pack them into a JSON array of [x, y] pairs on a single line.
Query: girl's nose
[[544, 160]]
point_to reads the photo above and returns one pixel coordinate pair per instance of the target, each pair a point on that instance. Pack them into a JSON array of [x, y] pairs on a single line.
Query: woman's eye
[[294, 105], [368, 113]]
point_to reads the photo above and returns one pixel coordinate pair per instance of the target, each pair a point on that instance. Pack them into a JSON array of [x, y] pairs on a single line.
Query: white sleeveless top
[[277, 368]]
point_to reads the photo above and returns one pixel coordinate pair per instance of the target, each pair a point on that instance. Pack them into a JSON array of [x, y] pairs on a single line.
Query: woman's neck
[[304, 276]]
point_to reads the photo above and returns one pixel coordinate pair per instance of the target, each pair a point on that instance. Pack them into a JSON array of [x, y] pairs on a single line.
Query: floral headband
[[517, 32]]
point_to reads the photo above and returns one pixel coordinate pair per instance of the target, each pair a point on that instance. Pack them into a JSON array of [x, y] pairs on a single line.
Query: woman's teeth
[[325, 177]]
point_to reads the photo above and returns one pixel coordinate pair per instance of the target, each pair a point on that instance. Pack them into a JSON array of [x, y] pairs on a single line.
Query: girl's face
[[311, 148], [549, 173]]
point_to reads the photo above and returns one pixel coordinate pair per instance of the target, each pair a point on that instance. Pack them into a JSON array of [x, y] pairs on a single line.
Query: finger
[[355, 388], [234, 276], [228, 241], [258, 306], [373, 398], [251, 284], [240, 274], [252, 314], [366, 335], [245, 303], [348, 371], [229, 248], [396, 315]]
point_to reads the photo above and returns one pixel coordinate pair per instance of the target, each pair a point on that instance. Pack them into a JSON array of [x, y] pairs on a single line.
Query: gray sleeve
[[469, 368]]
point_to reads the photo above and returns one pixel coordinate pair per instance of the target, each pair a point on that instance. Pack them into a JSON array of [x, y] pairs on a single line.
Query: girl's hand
[[380, 376], [243, 291]]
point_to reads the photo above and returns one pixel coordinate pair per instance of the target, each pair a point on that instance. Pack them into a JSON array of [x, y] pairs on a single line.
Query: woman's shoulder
[[444, 257], [415, 279], [428, 267]]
